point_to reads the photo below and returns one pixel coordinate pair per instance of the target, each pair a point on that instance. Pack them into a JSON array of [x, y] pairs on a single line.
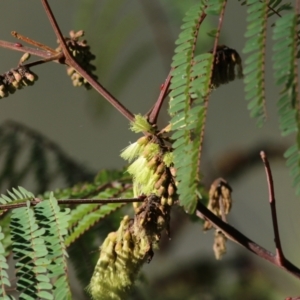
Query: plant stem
[[157, 106], [36, 201], [69, 60], [279, 252], [239, 238], [33, 51]]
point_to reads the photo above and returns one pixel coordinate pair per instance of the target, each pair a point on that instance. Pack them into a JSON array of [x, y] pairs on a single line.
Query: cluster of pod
[[219, 203], [80, 50], [124, 251], [16, 79], [219, 199], [152, 170], [165, 185], [119, 262]]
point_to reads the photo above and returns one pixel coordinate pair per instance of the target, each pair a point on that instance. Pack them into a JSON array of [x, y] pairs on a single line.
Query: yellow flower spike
[[168, 158], [140, 124], [132, 151], [151, 150], [137, 166]]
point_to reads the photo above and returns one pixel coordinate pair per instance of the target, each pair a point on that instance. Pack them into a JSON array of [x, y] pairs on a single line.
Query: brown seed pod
[[160, 169], [161, 181], [172, 171], [171, 189]]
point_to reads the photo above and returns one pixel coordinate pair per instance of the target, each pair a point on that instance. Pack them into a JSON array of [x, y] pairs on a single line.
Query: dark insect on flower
[[227, 66]]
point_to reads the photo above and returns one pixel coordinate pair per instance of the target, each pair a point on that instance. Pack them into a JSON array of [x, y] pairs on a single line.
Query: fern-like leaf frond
[[181, 98], [30, 253], [191, 84], [4, 280], [86, 216], [286, 75], [254, 71], [55, 222]]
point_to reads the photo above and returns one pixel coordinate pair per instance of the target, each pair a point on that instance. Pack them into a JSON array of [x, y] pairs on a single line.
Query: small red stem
[[162, 96], [239, 238], [33, 51], [279, 252], [69, 60]]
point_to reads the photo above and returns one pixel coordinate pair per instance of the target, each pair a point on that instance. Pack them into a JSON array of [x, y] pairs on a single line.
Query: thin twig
[[32, 42], [279, 252], [69, 60], [206, 98], [19, 47], [162, 96], [239, 238], [36, 201]]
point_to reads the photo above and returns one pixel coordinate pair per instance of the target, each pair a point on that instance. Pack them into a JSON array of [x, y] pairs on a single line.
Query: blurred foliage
[[28, 155], [205, 279]]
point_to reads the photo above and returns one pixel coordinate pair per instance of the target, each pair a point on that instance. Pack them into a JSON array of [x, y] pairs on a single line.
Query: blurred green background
[[133, 42]]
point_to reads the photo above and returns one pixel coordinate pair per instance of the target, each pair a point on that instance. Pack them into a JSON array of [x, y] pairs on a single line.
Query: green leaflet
[[54, 221], [254, 70], [4, 279], [87, 216], [30, 251], [286, 75], [190, 85]]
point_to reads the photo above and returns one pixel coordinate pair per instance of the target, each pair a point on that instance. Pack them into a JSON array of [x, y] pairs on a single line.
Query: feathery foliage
[[37, 235], [4, 280], [254, 71], [30, 253], [54, 221], [286, 76], [44, 160], [190, 85]]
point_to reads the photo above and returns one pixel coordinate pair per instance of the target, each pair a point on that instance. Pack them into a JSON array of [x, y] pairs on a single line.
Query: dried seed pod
[[160, 169], [171, 189], [172, 171], [219, 244], [163, 201], [161, 181], [81, 52], [152, 163], [161, 191], [24, 57], [170, 201], [220, 200], [16, 79]]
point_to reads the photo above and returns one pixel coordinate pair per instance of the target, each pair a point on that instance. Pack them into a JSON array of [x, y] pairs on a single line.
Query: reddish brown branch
[[279, 252], [233, 234], [239, 238], [36, 201], [69, 60], [153, 115], [21, 48]]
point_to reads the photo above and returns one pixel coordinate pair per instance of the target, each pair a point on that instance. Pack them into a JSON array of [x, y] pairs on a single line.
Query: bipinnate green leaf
[[4, 279], [254, 72], [30, 253], [190, 88], [55, 223], [285, 35]]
